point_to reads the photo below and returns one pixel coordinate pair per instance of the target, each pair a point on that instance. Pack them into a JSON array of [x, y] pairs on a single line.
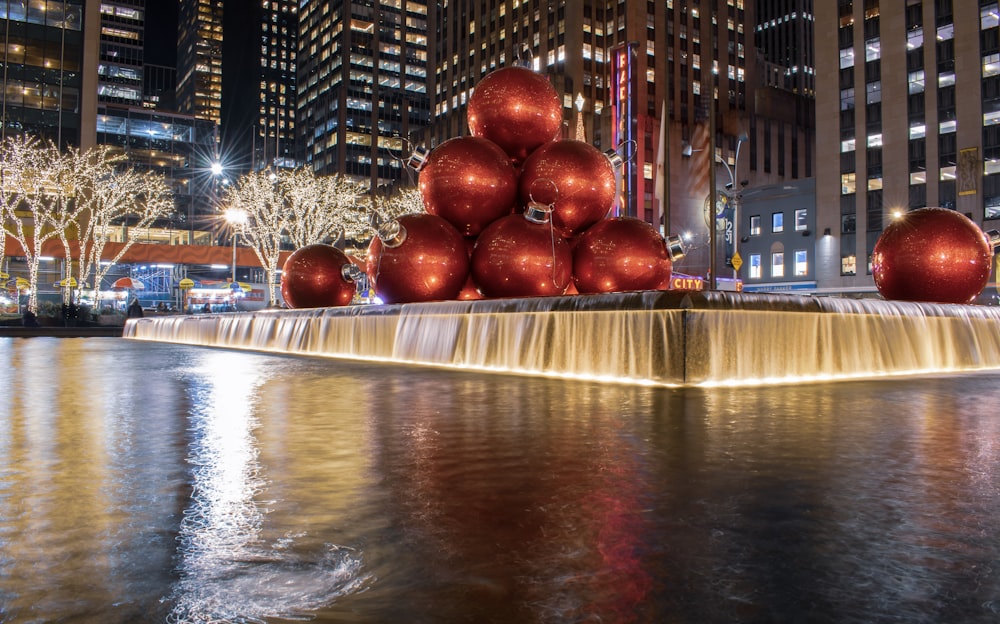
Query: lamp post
[[236, 218], [735, 195]]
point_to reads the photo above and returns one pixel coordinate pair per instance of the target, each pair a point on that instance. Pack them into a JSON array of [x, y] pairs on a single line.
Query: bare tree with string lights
[[324, 209], [119, 205], [39, 187], [405, 200], [293, 205]]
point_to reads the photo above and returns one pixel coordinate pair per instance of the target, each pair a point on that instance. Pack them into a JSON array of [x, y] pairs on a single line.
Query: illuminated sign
[[623, 121], [686, 282]]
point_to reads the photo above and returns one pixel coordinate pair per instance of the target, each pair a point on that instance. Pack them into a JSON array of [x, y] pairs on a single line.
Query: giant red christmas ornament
[[619, 254], [318, 276], [516, 108], [417, 257], [575, 178], [932, 254], [521, 256], [469, 182]]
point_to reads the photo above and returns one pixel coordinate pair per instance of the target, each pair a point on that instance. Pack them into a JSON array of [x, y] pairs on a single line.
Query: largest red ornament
[[318, 276], [575, 178], [469, 182], [620, 254], [417, 257], [517, 109], [521, 256], [932, 254]]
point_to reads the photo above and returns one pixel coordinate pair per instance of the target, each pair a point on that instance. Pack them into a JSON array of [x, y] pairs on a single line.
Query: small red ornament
[[417, 257], [620, 254], [469, 182], [932, 254], [575, 178], [318, 276], [521, 256], [516, 108]]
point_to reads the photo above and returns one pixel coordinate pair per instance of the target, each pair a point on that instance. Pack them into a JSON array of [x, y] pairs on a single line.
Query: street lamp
[[734, 194], [236, 218]]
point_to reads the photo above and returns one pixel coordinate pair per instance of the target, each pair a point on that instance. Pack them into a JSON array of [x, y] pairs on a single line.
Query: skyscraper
[[120, 69], [912, 120], [362, 84], [274, 134], [49, 70], [199, 59]]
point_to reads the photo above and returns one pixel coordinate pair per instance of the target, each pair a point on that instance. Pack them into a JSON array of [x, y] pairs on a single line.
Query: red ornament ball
[[621, 254], [469, 182], [515, 257], [516, 108], [932, 254], [314, 277], [575, 178], [426, 260]]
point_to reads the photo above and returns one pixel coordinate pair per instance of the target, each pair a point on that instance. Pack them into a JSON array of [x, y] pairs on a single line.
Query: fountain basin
[[667, 338]]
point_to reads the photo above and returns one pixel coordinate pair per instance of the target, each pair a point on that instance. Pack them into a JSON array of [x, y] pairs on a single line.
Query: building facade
[[913, 120], [362, 85], [199, 59], [274, 141], [50, 69], [120, 68]]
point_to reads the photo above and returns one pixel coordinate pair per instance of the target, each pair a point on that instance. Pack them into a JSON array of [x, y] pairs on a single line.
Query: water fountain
[[667, 338]]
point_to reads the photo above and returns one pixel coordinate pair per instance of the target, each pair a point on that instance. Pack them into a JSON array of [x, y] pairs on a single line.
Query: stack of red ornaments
[[515, 211]]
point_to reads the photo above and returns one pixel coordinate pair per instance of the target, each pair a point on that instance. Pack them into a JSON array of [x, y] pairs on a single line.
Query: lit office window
[[777, 222], [755, 225], [848, 265], [847, 183], [801, 263], [801, 219], [778, 264], [755, 267]]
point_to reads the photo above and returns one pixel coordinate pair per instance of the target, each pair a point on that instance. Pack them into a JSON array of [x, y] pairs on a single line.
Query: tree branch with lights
[[126, 201], [38, 190]]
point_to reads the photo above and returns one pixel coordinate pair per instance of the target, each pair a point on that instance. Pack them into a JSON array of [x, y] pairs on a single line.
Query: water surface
[[148, 482]]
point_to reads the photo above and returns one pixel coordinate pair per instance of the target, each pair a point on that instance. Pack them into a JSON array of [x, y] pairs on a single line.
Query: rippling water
[[147, 482]]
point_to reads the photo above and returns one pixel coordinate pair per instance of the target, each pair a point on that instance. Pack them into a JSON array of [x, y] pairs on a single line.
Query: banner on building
[[967, 174]]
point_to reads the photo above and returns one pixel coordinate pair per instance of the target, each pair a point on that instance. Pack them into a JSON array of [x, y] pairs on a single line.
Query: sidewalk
[[17, 331]]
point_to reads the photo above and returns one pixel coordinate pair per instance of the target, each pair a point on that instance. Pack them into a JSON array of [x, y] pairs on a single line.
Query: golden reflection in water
[[223, 520], [233, 565], [59, 439]]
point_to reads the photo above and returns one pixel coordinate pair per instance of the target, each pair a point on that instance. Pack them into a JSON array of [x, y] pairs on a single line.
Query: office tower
[[120, 68], [912, 120], [49, 70], [362, 85], [274, 129], [199, 58]]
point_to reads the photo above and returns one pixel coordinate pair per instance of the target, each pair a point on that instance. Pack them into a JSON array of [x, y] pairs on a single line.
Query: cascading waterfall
[[660, 338]]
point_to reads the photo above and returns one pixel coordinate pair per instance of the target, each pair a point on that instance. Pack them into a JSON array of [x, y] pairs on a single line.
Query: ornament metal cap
[[994, 237], [418, 158], [616, 159], [537, 212], [675, 247], [351, 272], [392, 233]]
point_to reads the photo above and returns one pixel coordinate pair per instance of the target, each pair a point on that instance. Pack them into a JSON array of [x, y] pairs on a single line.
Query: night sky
[[161, 33]]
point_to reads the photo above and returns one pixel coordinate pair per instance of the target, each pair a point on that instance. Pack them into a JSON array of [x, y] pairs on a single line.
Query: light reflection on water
[[150, 482]]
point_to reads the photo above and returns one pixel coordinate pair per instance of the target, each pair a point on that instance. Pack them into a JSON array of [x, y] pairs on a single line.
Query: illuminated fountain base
[[658, 338]]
